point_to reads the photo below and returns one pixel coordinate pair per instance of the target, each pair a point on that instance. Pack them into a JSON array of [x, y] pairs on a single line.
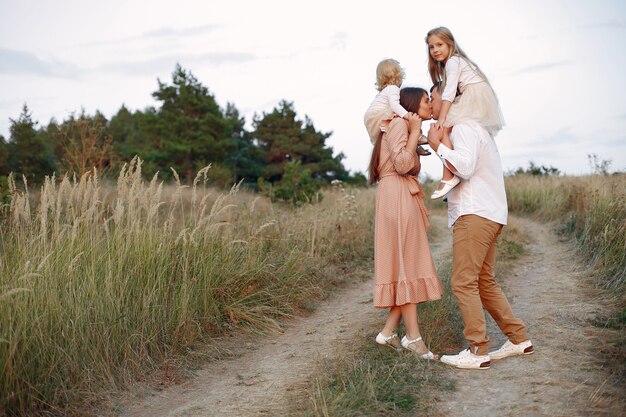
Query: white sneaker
[[447, 186], [467, 360], [511, 349]]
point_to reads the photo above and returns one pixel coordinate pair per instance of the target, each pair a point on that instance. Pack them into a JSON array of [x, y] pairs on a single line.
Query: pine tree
[[283, 138], [245, 161], [4, 154], [190, 127], [29, 154]]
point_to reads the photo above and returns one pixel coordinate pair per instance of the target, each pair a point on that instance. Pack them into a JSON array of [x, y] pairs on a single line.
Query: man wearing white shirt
[[477, 211]]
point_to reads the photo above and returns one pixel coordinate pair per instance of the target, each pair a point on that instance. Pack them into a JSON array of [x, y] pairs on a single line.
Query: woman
[[404, 269]]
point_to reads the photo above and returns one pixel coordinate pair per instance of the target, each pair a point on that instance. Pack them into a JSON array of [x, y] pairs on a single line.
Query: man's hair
[[437, 85]]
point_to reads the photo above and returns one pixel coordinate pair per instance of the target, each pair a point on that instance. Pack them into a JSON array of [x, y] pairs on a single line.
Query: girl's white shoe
[[447, 186]]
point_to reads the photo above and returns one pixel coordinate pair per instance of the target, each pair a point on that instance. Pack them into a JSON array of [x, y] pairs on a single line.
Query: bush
[[296, 186]]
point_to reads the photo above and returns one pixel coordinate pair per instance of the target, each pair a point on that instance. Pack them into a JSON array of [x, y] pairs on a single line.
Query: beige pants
[[474, 286]]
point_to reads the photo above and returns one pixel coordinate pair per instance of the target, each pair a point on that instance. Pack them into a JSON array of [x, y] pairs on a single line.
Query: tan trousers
[[474, 285]]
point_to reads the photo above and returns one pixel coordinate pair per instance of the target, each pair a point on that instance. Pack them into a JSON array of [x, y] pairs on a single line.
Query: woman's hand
[[415, 122], [440, 123]]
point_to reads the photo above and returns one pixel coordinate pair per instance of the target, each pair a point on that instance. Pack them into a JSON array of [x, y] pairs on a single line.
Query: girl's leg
[[449, 180], [447, 174]]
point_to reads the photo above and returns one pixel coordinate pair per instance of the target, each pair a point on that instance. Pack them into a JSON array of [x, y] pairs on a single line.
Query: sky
[[557, 66]]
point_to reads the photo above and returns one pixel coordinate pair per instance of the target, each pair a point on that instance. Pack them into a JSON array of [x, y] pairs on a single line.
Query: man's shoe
[[467, 360], [511, 349]]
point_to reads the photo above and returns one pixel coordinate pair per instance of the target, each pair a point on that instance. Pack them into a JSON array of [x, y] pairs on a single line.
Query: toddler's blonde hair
[[389, 72]]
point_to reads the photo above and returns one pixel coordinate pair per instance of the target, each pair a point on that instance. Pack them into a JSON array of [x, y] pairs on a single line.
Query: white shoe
[[447, 186], [392, 341], [467, 360], [511, 349], [406, 344]]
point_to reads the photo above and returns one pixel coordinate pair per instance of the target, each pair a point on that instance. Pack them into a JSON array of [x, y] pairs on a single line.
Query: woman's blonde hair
[[436, 68], [388, 72]]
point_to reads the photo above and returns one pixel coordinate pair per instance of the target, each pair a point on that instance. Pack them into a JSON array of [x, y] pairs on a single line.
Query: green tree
[[282, 138], [134, 135], [28, 154], [537, 170], [190, 127], [246, 159], [4, 154]]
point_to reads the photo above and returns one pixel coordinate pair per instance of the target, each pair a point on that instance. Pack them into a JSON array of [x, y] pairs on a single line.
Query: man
[[477, 211]]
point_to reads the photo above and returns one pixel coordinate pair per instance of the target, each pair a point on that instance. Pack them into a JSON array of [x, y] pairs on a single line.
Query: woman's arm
[[403, 137]]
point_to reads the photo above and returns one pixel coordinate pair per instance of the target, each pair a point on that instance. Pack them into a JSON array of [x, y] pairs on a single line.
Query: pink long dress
[[403, 264]]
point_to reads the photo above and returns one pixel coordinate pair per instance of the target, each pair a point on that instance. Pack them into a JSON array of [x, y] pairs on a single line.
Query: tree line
[[186, 131]]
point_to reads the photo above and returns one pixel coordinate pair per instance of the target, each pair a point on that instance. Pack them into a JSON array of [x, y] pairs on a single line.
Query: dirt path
[[564, 376], [255, 382]]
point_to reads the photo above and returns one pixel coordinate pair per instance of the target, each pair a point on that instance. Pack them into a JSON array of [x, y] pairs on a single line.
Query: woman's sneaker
[[467, 360], [511, 349]]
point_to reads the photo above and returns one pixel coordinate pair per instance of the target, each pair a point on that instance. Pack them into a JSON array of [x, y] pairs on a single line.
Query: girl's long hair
[[437, 69], [410, 99]]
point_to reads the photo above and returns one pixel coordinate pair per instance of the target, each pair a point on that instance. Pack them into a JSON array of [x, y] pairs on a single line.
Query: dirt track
[[563, 377]]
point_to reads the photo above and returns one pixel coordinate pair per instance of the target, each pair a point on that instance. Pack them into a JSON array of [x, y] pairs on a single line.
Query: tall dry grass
[[591, 209], [99, 283]]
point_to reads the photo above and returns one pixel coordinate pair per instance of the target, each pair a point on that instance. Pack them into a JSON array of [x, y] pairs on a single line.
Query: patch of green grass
[[375, 381], [616, 322]]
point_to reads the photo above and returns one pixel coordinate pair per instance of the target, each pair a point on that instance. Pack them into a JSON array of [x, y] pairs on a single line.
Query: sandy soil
[[563, 377]]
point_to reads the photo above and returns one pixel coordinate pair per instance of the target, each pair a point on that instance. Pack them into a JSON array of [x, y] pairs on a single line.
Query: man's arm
[[462, 159]]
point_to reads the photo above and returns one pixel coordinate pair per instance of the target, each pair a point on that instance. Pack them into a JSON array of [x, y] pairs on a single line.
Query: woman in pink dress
[[404, 269]]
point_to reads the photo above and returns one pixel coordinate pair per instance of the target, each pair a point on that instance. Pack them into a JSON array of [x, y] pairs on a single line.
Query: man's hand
[[435, 133]]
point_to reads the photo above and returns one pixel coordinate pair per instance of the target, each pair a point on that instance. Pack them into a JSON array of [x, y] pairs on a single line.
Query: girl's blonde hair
[[436, 68], [388, 72]]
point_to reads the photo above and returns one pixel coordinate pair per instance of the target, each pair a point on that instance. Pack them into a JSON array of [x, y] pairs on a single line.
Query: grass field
[[103, 281]]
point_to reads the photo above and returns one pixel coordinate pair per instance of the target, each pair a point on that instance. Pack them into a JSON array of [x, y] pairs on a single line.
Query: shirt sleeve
[[393, 95], [398, 136], [465, 153], [453, 73]]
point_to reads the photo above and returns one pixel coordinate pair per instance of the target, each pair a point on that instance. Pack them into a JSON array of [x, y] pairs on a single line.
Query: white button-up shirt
[[477, 160]]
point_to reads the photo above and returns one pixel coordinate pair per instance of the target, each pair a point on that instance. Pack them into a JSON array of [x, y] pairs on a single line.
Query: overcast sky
[[558, 67]]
